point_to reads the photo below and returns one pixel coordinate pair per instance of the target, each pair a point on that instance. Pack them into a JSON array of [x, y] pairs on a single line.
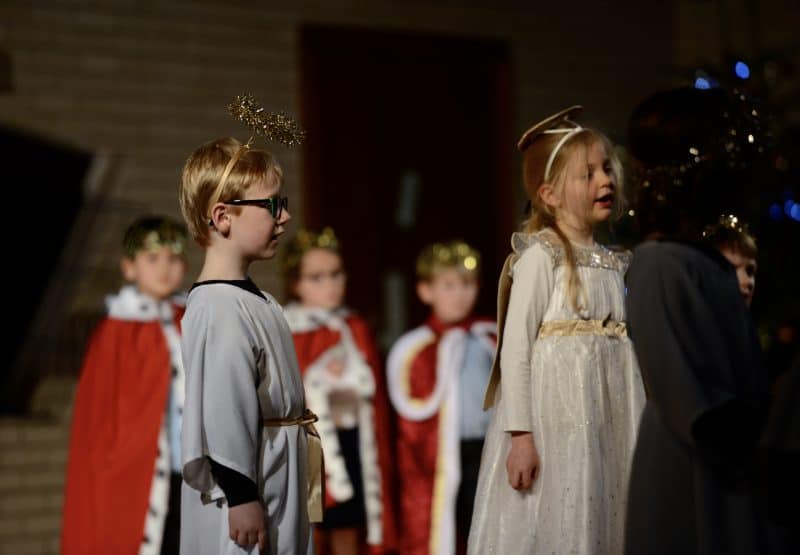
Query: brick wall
[[33, 454], [149, 80]]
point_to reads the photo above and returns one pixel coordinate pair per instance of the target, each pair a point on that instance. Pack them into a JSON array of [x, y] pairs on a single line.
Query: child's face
[[157, 273], [450, 294], [322, 280], [588, 193], [254, 231], [745, 272]]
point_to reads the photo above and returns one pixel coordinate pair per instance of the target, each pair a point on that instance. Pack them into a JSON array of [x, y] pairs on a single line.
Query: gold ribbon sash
[[315, 468], [563, 328]]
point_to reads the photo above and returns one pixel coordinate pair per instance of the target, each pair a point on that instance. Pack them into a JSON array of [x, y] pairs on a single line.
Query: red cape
[[119, 407], [418, 446], [310, 346]]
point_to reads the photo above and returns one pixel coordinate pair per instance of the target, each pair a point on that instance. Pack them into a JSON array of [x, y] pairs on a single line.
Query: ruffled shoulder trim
[[303, 319], [521, 241], [592, 257]]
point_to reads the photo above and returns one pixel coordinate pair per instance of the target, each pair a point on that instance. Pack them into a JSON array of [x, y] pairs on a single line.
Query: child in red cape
[[343, 379], [437, 375], [123, 475]]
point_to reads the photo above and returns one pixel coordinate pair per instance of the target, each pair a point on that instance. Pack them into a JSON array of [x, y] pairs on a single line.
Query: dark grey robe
[[691, 489]]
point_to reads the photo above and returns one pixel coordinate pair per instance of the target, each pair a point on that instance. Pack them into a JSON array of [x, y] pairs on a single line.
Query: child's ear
[[425, 292], [548, 195], [128, 269], [221, 218]]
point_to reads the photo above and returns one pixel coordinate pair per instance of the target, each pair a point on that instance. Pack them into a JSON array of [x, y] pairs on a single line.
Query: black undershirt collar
[[247, 284]]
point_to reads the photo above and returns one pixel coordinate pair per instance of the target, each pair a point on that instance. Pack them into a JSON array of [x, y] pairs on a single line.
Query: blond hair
[[204, 173], [542, 215]]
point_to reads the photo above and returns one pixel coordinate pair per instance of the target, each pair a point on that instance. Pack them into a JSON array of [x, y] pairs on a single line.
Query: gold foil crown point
[[453, 254], [151, 233], [727, 221], [307, 240]]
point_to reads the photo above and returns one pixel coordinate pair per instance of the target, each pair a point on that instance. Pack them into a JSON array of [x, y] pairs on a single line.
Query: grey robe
[[691, 488], [240, 369]]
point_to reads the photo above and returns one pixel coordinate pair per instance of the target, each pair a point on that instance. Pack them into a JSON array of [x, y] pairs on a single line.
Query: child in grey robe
[[250, 479]]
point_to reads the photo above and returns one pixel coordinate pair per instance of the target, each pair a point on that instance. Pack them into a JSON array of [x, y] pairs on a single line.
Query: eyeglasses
[[275, 205]]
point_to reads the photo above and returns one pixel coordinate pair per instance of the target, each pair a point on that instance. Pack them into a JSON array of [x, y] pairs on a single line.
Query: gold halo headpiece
[[273, 126], [452, 254]]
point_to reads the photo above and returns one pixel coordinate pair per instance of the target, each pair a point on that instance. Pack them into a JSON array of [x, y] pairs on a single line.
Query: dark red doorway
[[409, 142]]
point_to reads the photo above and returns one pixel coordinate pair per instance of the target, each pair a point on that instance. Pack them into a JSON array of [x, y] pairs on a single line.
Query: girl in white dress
[[565, 383]]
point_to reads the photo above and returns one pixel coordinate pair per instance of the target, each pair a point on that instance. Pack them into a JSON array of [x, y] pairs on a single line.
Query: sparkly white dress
[[572, 379]]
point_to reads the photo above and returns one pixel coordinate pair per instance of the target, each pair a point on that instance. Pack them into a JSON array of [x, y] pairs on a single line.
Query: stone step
[[33, 458]]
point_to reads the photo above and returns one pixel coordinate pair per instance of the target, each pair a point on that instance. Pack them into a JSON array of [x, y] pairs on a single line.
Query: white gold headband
[[568, 132]]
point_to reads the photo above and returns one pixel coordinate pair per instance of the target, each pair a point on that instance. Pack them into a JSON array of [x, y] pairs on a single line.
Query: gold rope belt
[[307, 418], [563, 328], [316, 465]]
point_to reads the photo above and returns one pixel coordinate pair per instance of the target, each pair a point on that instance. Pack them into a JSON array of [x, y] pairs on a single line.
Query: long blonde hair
[[543, 216]]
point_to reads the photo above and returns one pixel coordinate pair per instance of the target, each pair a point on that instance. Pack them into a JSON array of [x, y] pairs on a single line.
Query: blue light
[[787, 207], [795, 213], [775, 211], [742, 70], [702, 83]]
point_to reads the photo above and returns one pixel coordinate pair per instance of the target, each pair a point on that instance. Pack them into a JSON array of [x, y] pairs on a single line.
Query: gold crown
[[727, 221], [453, 254], [150, 233], [306, 240]]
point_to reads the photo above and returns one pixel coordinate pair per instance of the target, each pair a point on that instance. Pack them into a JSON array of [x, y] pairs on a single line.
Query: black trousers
[[170, 544], [351, 513]]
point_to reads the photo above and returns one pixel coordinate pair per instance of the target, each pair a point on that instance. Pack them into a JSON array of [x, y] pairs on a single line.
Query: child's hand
[[247, 525], [523, 461]]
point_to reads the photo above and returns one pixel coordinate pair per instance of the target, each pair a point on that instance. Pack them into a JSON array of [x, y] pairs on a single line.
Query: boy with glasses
[[251, 458]]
